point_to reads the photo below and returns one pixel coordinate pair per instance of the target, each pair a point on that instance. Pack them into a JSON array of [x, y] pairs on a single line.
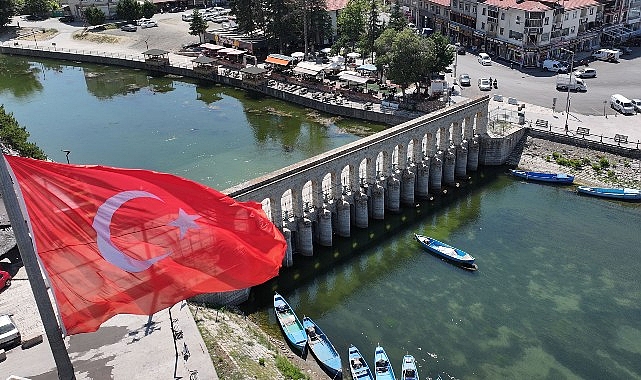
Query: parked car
[[129, 28], [484, 59], [555, 66], [464, 80], [9, 334], [637, 104], [485, 84], [587, 72], [188, 17], [67, 18], [141, 21], [5, 279], [148, 24], [219, 19], [461, 50]]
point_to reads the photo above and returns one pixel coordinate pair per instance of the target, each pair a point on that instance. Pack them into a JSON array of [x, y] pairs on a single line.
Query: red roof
[[527, 5], [443, 3], [335, 5], [576, 4]]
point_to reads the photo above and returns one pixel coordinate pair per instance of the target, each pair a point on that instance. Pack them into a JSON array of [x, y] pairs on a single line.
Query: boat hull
[[323, 349], [290, 324], [560, 178], [612, 193], [409, 370], [447, 252], [358, 366], [382, 366]]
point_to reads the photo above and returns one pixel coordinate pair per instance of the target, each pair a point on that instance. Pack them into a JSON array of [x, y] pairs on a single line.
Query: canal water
[[557, 294]]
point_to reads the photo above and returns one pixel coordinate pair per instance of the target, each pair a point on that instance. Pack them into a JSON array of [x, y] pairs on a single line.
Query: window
[[482, 26], [518, 19], [438, 10], [433, 9], [574, 14], [460, 6], [545, 37], [502, 16], [566, 16], [572, 30], [547, 20], [502, 30], [591, 11], [474, 9], [467, 7], [483, 11], [455, 3]]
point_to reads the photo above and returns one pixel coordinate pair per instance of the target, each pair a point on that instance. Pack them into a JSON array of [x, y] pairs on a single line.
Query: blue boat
[[383, 367], [409, 370], [358, 366], [611, 192], [323, 349], [561, 178], [289, 323], [447, 252]]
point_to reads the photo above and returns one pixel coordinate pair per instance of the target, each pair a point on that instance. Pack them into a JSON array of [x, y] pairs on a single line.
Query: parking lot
[[536, 86]]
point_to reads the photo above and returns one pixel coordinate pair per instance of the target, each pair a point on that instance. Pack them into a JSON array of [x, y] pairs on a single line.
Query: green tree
[[249, 15], [7, 10], [397, 20], [279, 17], [40, 8], [198, 25], [129, 10], [148, 9], [15, 136], [439, 53], [374, 27], [94, 16], [350, 25], [404, 55]]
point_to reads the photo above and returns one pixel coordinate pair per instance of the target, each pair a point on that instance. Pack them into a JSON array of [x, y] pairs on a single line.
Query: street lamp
[[458, 44], [66, 153], [567, 102], [604, 103]]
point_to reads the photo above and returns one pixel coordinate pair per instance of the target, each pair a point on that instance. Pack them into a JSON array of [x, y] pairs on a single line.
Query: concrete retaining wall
[[630, 150], [495, 150]]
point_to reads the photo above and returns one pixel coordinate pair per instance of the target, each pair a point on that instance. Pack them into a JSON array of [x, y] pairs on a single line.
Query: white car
[[219, 19], [464, 80], [9, 334], [129, 28], [188, 17], [141, 21], [148, 24], [485, 59], [485, 84], [587, 72], [637, 104]]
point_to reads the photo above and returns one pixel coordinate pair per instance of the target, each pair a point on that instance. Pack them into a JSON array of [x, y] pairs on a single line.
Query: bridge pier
[[343, 218], [449, 161], [325, 227], [393, 194], [436, 171]]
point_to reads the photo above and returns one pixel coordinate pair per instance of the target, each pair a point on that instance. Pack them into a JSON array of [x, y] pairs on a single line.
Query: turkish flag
[[116, 241]]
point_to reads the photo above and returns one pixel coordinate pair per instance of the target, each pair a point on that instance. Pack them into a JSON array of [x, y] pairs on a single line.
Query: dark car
[[67, 18], [461, 50]]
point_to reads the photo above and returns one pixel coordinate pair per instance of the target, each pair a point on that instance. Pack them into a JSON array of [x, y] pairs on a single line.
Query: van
[[622, 104], [608, 55], [555, 66]]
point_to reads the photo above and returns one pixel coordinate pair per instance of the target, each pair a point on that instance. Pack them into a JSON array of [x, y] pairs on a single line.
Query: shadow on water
[[327, 259]]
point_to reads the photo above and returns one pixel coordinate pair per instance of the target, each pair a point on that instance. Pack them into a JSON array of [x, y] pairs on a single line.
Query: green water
[[556, 295]]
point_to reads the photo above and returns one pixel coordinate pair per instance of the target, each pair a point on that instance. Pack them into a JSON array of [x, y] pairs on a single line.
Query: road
[[537, 86]]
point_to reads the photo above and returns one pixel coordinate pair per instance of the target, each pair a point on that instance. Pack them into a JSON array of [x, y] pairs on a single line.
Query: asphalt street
[[536, 86]]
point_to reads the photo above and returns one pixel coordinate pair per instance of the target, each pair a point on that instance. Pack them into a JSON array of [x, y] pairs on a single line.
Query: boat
[[561, 178], [611, 192], [358, 366], [409, 370], [447, 252], [323, 349], [382, 366], [289, 323]]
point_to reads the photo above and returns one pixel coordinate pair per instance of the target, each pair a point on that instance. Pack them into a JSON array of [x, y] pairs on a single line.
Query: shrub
[[289, 370], [15, 136]]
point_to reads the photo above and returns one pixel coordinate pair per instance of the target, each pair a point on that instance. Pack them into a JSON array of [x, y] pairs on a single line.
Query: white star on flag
[[185, 222]]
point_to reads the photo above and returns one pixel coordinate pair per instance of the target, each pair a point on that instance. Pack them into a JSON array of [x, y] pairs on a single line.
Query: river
[[557, 294]]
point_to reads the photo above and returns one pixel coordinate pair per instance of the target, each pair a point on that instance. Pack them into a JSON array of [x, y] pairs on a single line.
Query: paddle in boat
[[323, 349], [358, 366], [382, 366], [409, 371], [447, 252], [611, 192], [289, 323], [561, 178]]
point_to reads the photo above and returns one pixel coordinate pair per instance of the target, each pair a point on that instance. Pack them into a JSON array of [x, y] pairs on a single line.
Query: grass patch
[[288, 370], [96, 38]]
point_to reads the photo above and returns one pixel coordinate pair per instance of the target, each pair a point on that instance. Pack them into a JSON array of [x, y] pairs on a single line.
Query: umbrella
[[353, 55], [367, 67], [326, 50], [297, 54]]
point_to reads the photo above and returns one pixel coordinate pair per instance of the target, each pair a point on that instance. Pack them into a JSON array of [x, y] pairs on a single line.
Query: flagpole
[[30, 262]]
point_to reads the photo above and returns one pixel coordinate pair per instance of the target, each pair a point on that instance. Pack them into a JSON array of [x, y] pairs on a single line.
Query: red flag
[[132, 241]]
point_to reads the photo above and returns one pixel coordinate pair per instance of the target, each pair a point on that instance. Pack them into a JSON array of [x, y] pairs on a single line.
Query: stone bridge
[[341, 189]]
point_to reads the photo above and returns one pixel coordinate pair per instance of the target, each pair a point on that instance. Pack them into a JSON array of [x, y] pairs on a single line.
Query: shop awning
[[230, 51], [278, 59], [347, 76], [302, 70], [209, 46]]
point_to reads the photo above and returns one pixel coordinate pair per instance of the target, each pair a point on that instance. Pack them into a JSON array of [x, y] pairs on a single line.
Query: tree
[[198, 25], [249, 14], [94, 16], [279, 17], [148, 9], [38, 7], [129, 10], [350, 24], [15, 136], [7, 10], [374, 28], [439, 53], [397, 20], [404, 53]]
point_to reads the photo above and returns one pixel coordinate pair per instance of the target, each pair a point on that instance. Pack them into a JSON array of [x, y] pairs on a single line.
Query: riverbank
[[590, 167]]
